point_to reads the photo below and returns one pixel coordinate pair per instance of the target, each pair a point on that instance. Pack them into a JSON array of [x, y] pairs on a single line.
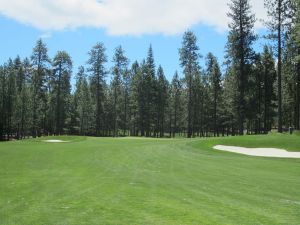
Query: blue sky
[[19, 33]]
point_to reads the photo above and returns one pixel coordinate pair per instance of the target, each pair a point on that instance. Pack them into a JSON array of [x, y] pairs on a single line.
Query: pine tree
[[230, 98], [296, 41], [20, 81], [288, 86], [176, 102], [198, 111], [26, 115], [239, 49], [119, 72], [269, 74], [21, 114], [11, 99], [97, 69], [162, 100], [279, 12], [126, 87], [2, 97], [108, 111], [150, 92], [83, 103], [62, 69], [40, 64], [254, 97], [137, 103], [189, 55], [214, 77], [5, 99]]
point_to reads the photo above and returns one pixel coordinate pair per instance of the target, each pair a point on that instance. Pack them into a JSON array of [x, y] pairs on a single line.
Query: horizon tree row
[[255, 94]]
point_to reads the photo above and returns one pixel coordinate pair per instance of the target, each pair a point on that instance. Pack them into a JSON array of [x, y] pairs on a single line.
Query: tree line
[[257, 92]]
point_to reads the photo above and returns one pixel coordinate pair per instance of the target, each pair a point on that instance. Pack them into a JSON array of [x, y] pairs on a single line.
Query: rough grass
[[147, 181]]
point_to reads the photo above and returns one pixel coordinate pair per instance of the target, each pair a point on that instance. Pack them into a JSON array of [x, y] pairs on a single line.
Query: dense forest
[[256, 92]]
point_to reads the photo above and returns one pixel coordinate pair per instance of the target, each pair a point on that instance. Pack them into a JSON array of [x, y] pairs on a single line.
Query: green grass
[[283, 141], [147, 181]]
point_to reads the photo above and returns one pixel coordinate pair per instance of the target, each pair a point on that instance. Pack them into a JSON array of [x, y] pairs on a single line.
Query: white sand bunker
[[263, 152], [55, 141]]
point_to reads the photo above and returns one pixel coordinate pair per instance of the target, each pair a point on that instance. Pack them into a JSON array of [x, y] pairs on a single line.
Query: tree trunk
[[241, 107], [189, 134], [279, 70], [297, 116]]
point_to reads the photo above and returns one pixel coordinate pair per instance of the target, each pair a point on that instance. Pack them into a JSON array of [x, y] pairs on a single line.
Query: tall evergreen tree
[[20, 81], [137, 103], [239, 49], [84, 104], [269, 75], [150, 92], [11, 98], [119, 72], [199, 96], [62, 69], [176, 102], [97, 60], [40, 62], [22, 116], [162, 100], [254, 97], [126, 86], [3, 101], [2, 97], [214, 77], [296, 40], [26, 98], [189, 56], [289, 85], [230, 98], [279, 12]]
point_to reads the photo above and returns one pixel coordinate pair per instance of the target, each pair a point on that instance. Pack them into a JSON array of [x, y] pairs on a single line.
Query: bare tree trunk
[[279, 69], [297, 116]]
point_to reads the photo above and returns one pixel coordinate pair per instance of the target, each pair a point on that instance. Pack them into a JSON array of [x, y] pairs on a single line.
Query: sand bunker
[[55, 141], [263, 152]]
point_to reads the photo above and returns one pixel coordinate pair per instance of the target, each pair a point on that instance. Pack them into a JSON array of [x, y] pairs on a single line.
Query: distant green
[[147, 181]]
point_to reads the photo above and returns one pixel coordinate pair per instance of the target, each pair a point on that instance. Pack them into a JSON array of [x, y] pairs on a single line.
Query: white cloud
[[123, 17], [45, 35]]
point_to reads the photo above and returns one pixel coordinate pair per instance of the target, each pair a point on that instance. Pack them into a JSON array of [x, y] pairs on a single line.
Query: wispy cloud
[[123, 17], [46, 35]]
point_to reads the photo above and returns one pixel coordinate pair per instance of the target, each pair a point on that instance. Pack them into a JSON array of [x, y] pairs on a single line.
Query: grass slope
[[147, 181]]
